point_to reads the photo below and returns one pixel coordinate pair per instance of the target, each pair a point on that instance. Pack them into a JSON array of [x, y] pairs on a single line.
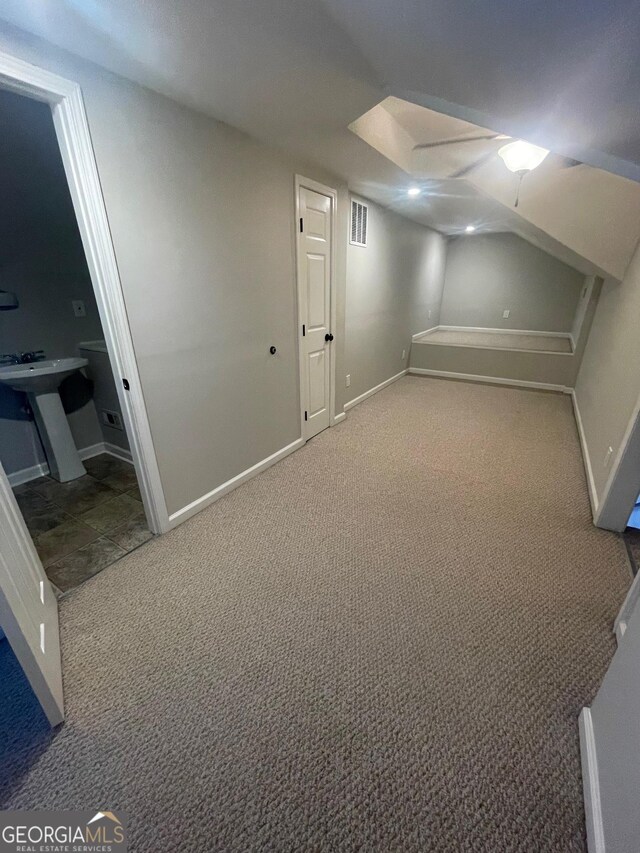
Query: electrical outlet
[[78, 308], [404, 354], [348, 380], [607, 456], [112, 419], [429, 314], [505, 314]]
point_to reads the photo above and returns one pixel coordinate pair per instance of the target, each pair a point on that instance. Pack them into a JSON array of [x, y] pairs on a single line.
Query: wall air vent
[[358, 223]]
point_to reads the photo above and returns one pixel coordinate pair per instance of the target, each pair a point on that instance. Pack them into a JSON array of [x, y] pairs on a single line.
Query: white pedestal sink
[[40, 380]]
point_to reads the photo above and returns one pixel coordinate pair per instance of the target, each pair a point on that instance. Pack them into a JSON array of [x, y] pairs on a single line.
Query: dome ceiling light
[[521, 157]]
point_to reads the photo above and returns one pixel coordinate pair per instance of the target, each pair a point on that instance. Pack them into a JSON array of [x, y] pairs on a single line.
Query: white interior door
[[28, 607], [315, 228]]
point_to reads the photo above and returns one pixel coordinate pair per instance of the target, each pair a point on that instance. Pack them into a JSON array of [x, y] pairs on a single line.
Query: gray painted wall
[[202, 219], [392, 284], [42, 261], [551, 368], [487, 273], [608, 384], [105, 395]]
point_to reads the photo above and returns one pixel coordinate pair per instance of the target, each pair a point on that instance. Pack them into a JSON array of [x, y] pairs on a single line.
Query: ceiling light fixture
[[470, 229], [413, 191], [521, 157]]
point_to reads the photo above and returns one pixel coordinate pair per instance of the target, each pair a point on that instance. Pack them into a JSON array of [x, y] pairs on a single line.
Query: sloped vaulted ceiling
[[297, 74], [565, 75], [587, 217]]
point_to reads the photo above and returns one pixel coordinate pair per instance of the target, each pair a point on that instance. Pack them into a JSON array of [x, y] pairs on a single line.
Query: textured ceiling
[[297, 74], [565, 74]]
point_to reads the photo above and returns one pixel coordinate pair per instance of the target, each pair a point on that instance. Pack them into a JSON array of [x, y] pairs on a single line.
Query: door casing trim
[[308, 183], [591, 783], [74, 139]]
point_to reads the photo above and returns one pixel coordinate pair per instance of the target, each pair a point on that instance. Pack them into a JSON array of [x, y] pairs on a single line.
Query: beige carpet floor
[[382, 643], [497, 340]]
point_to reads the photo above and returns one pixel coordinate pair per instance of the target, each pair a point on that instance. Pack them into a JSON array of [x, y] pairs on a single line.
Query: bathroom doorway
[[63, 437], [28, 607]]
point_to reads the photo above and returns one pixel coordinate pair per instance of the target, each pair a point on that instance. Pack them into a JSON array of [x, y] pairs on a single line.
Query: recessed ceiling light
[[470, 228], [413, 191]]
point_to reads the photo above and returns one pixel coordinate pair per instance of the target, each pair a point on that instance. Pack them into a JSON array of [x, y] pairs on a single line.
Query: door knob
[[328, 336]]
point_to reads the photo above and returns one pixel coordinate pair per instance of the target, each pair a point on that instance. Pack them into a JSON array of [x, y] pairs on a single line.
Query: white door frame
[[623, 483], [74, 139], [309, 184]]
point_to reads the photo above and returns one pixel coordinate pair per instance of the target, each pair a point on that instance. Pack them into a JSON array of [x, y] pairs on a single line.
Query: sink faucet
[[33, 355], [22, 357]]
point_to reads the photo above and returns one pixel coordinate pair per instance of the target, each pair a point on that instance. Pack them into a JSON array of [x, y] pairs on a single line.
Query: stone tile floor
[[83, 526]]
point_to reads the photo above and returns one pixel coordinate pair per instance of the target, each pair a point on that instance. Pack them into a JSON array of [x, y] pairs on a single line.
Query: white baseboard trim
[[493, 380], [338, 418], [203, 502], [424, 332], [586, 458], [424, 339], [91, 450], [502, 331], [25, 475], [591, 784], [114, 450], [375, 390]]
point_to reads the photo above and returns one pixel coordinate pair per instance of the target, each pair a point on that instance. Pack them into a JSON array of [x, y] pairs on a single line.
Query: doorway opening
[[63, 437], [631, 537], [634, 518], [28, 607]]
